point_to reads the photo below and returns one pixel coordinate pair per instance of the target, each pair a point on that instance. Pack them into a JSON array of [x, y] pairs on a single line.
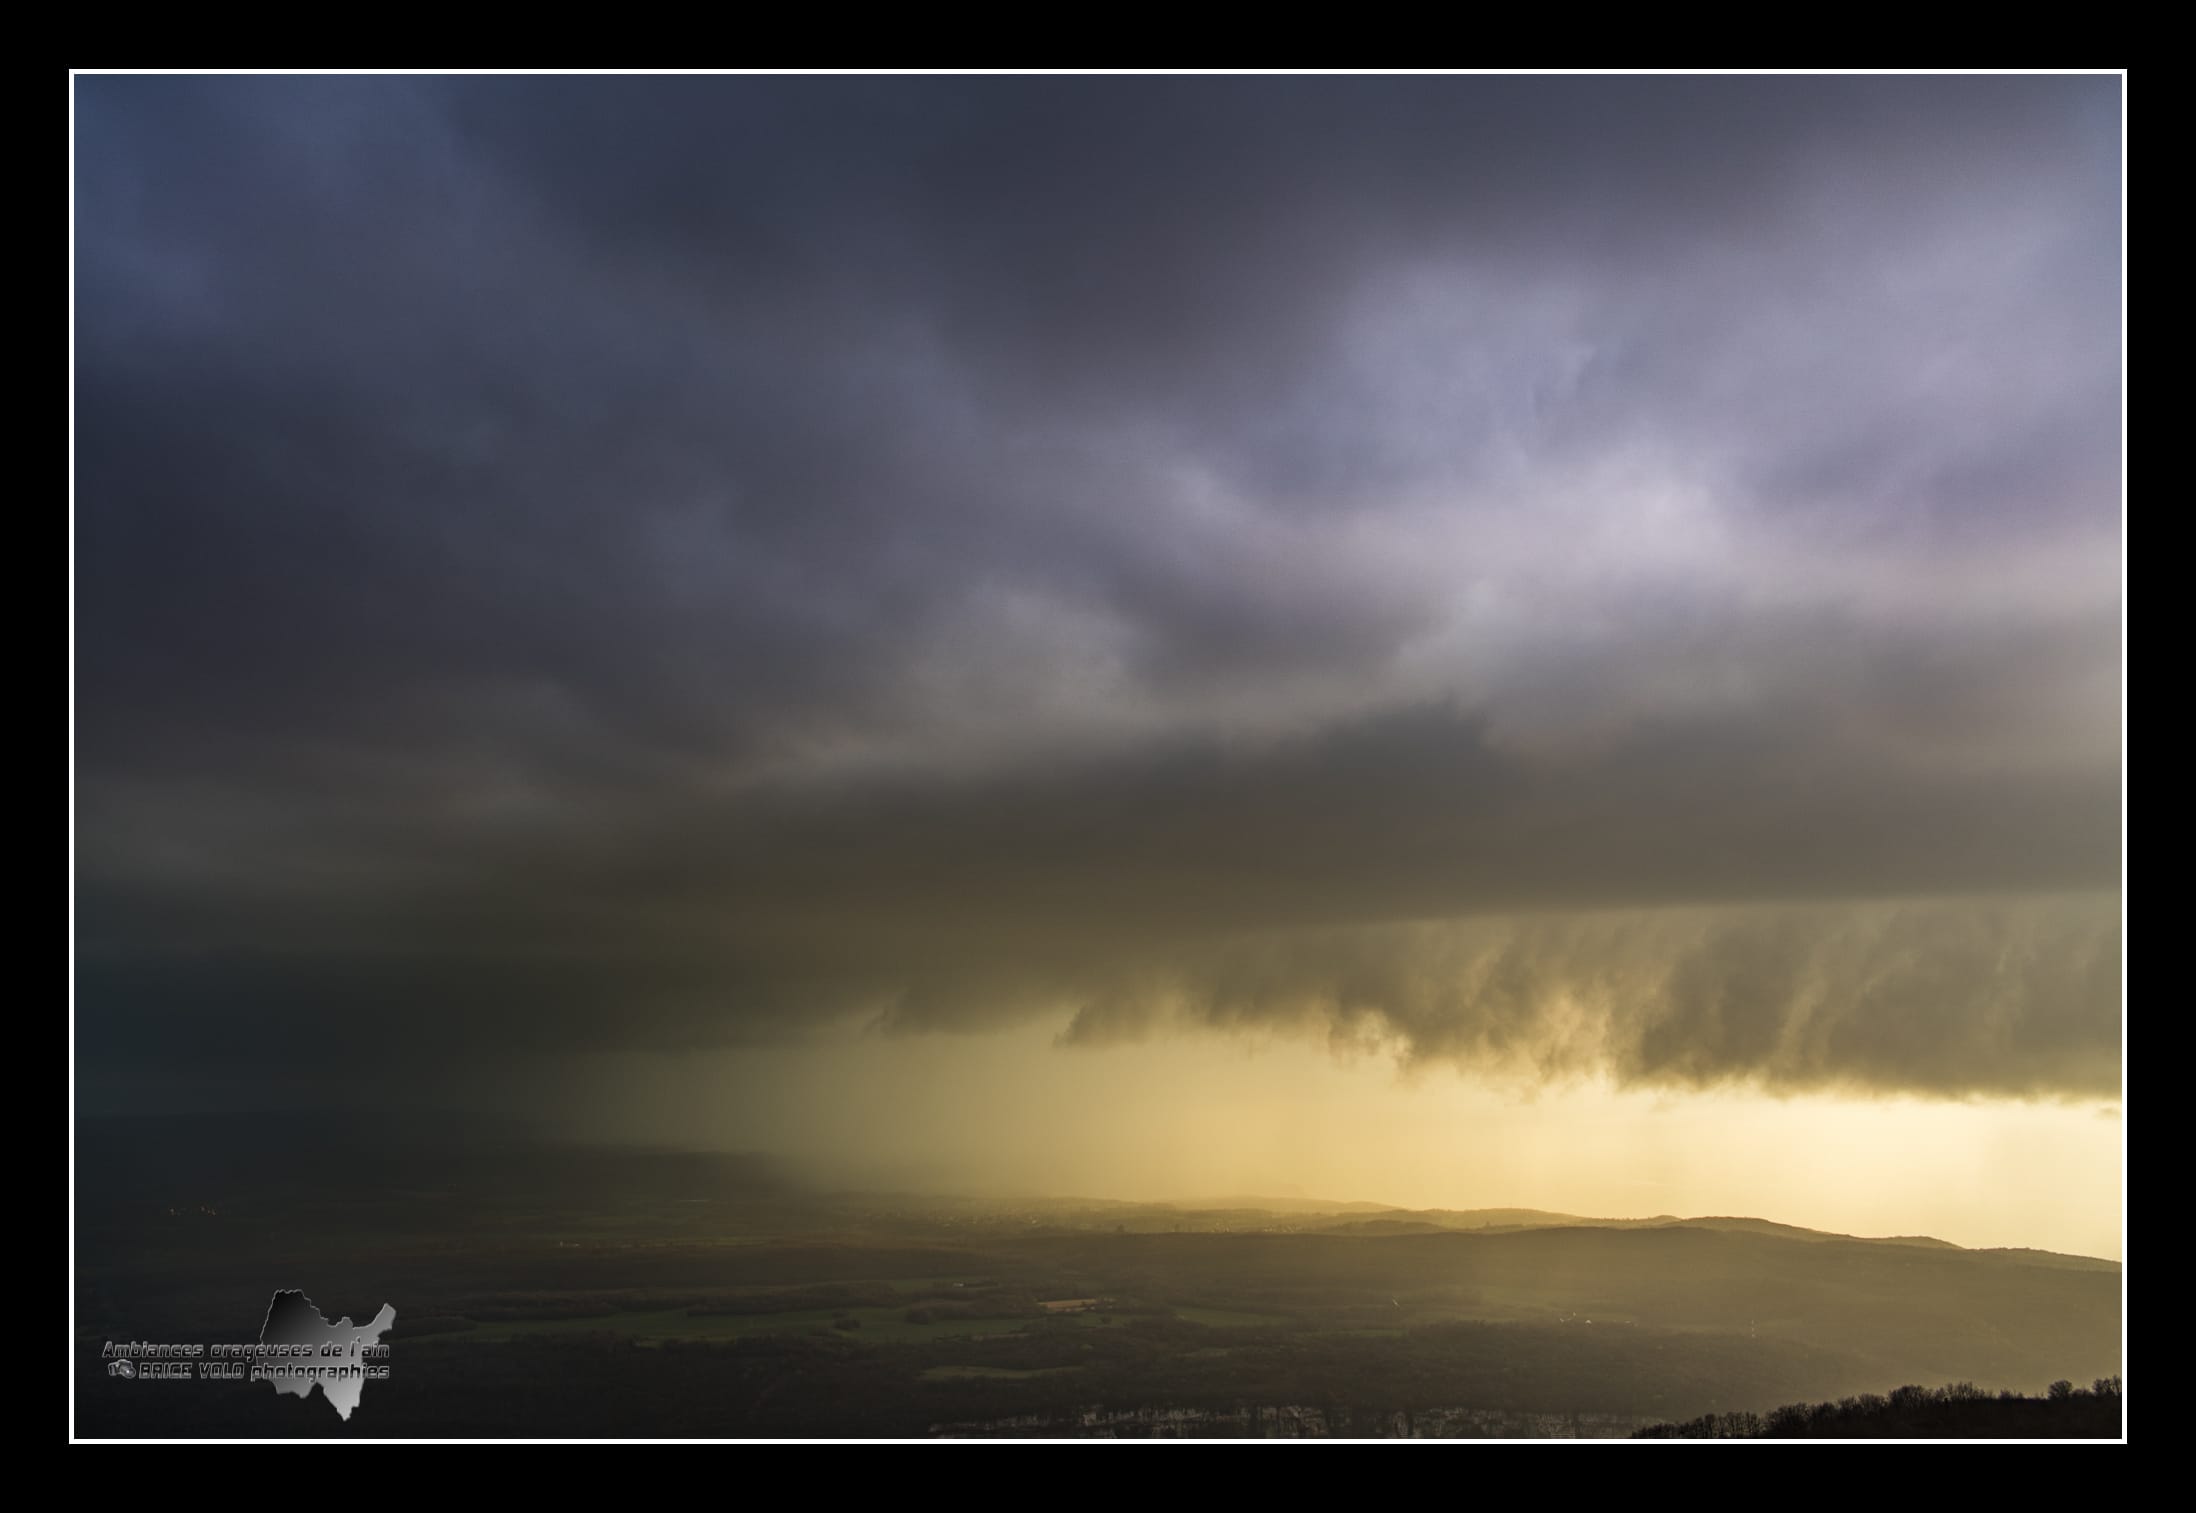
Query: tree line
[[1960, 1410]]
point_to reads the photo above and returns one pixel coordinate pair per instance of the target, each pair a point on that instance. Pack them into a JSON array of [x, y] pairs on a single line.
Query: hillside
[[1958, 1411], [604, 1292]]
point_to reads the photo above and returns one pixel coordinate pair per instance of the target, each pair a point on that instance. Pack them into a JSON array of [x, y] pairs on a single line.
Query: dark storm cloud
[[1995, 997], [612, 562]]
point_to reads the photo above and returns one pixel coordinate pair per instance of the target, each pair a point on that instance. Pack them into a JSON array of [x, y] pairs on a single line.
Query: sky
[[1459, 641]]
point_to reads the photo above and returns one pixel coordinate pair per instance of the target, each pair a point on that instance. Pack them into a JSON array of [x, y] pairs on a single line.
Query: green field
[[878, 1326], [990, 1373], [676, 1330], [1230, 1318]]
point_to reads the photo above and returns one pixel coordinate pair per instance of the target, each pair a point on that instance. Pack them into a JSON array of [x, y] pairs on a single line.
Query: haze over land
[[1456, 642], [560, 1290]]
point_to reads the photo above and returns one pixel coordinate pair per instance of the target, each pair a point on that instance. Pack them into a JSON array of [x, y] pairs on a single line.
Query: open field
[[699, 1308]]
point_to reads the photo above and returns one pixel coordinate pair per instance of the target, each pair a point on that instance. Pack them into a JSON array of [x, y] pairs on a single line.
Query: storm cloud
[[1544, 574]]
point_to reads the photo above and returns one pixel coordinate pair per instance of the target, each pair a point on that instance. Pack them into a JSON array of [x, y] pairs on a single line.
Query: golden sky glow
[[1203, 1115], [988, 634]]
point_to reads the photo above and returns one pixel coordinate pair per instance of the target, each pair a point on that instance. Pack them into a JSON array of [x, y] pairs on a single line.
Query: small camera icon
[[121, 1368]]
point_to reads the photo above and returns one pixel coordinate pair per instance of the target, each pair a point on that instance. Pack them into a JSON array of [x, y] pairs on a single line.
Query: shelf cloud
[[1542, 575]]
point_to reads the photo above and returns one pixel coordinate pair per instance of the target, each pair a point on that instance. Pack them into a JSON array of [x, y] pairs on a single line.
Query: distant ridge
[[1375, 1220], [1401, 1221], [1796, 1232], [1278, 1206]]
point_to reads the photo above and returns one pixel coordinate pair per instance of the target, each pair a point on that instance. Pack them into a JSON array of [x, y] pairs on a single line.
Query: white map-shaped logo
[[337, 1361]]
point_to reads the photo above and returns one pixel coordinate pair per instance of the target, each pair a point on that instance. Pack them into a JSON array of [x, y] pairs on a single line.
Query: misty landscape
[[929, 756], [561, 1292]]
